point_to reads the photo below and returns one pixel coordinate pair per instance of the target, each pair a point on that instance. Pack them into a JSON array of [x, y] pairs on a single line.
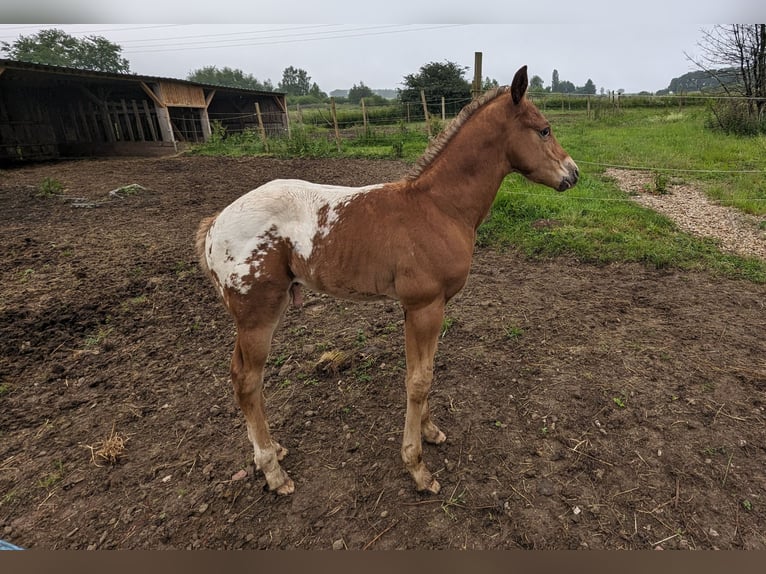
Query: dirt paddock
[[585, 407]]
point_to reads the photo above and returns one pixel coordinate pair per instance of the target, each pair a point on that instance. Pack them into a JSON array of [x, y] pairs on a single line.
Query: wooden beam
[[209, 98], [88, 94], [152, 95]]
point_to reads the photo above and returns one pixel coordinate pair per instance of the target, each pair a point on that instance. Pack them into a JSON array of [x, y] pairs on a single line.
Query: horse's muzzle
[[570, 180]]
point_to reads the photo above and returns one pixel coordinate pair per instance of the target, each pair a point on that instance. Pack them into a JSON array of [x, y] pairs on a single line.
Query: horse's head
[[533, 150]]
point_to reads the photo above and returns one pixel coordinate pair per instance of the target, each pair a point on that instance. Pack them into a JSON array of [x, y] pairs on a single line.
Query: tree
[[296, 82], [743, 48], [588, 88], [356, 93], [489, 84], [226, 76], [555, 81], [536, 84], [437, 79], [57, 48]]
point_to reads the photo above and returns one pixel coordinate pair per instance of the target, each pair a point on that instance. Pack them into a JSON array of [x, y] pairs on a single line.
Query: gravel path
[[693, 212]]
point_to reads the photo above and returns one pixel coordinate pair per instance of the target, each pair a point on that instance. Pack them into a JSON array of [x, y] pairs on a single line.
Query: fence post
[[260, 126], [588, 99], [364, 115], [476, 86], [444, 111], [425, 111], [335, 122]]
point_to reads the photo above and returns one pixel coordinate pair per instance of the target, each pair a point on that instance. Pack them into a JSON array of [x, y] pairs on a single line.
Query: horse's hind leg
[[254, 333]]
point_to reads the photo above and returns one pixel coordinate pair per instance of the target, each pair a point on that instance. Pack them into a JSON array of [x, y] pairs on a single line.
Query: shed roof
[[64, 70]]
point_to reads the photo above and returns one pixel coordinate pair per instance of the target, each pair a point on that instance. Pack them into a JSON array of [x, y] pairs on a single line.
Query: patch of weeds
[[53, 477], [499, 424], [513, 333], [183, 269], [454, 501], [659, 185], [447, 324], [5, 388], [127, 190], [311, 381], [279, 360], [50, 187], [619, 401], [711, 451], [26, 275], [98, 338], [361, 338], [391, 328], [747, 505], [133, 302], [8, 497]]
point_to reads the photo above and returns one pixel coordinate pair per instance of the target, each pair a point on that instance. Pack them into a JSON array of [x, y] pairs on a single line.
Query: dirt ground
[[585, 407]]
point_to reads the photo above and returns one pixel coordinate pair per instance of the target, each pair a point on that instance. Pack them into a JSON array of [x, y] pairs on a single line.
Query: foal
[[410, 240]]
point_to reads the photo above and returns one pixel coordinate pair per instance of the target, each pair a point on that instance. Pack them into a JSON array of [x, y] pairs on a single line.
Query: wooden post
[[204, 121], [588, 98], [149, 121], [425, 112], [364, 115], [260, 126], [166, 127], [125, 113], [139, 125], [476, 87], [334, 113], [444, 111]]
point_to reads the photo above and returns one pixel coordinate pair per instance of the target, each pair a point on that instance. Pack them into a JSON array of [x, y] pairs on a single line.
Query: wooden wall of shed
[[182, 95], [25, 126], [43, 123]]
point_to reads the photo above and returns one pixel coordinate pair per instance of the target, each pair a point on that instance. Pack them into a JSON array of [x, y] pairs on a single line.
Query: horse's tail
[[202, 232]]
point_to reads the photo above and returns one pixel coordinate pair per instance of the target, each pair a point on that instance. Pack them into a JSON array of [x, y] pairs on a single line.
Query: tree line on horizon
[[741, 75]]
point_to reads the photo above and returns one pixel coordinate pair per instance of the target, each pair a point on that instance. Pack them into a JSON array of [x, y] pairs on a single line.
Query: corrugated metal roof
[[47, 68]]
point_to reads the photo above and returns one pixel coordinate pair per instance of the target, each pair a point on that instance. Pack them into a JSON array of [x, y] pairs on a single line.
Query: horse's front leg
[[421, 333]]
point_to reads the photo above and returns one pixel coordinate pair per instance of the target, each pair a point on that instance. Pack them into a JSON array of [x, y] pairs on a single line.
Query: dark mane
[[440, 142]]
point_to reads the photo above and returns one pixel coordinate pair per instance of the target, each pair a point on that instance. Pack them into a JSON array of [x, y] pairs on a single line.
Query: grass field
[[595, 221]]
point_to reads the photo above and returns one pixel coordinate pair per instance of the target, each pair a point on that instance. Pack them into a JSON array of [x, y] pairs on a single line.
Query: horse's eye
[[545, 132]]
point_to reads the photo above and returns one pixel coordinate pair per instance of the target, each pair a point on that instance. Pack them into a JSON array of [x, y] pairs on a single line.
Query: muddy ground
[[585, 407]]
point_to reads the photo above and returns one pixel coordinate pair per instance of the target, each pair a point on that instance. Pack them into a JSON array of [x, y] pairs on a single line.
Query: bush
[[738, 117]]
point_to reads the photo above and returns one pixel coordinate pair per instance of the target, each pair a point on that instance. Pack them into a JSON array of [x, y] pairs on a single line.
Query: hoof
[[287, 488], [439, 438], [432, 488], [279, 481]]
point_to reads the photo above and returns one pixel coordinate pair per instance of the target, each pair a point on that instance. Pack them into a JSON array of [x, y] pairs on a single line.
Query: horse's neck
[[464, 178]]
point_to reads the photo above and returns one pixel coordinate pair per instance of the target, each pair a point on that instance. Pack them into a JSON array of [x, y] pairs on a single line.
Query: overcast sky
[[634, 46]]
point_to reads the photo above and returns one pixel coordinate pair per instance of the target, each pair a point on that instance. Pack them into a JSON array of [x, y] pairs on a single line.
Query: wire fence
[[347, 116], [347, 124]]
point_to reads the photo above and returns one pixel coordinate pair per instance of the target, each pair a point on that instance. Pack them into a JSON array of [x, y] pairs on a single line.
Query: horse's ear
[[519, 85]]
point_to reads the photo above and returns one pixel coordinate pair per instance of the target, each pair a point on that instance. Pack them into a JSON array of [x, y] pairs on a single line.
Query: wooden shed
[[49, 112]]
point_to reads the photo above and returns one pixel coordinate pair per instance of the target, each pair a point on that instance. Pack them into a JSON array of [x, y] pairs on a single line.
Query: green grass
[[595, 221]]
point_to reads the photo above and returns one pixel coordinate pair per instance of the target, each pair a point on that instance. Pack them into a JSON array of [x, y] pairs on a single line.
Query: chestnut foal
[[410, 240]]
